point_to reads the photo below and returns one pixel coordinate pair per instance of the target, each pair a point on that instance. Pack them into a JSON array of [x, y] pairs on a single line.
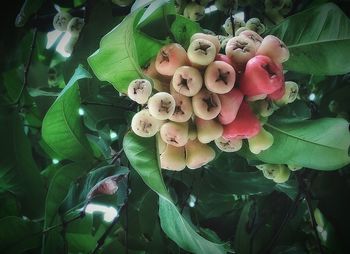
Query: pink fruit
[[261, 76], [274, 48], [277, 94], [230, 103], [169, 58], [245, 125]]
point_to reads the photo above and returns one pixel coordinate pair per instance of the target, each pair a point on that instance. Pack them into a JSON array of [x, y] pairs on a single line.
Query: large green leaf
[[178, 229], [318, 40], [18, 170], [58, 189], [238, 183], [116, 60], [142, 154], [319, 144], [18, 235], [62, 127]]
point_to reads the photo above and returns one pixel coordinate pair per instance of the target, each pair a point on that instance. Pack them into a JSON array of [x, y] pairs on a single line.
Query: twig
[[305, 189], [313, 220], [107, 105], [27, 67], [279, 231], [65, 223]]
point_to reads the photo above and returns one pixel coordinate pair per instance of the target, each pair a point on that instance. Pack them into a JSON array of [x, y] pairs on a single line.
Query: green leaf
[[318, 40], [182, 30], [18, 235], [140, 4], [319, 144], [116, 60], [142, 154], [58, 189], [295, 112], [62, 128], [18, 170], [29, 8], [238, 183], [180, 231]]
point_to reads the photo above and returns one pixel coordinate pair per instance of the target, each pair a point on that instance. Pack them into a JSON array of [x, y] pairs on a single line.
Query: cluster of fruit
[[65, 22], [204, 96], [279, 173], [195, 9]]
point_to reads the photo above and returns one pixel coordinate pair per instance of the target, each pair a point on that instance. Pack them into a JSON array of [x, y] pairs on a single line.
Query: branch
[[107, 105], [310, 209], [279, 231], [27, 67]]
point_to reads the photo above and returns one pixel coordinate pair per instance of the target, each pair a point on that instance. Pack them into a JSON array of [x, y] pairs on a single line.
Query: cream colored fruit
[[173, 158], [228, 145], [208, 130], [161, 105], [187, 81], [198, 154], [175, 134], [260, 142], [201, 52], [139, 90], [206, 104], [144, 124]]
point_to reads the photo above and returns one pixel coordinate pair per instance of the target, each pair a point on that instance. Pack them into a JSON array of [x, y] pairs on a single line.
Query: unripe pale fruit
[[123, 3], [169, 58], [75, 25], [219, 77], [144, 124], [61, 20], [208, 130], [253, 36], [240, 30], [187, 81], [277, 172], [232, 25], [201, 52], [212, 38], [194, 11], [175, 134], [293, 167], [161, 105], [245, 125], [161, 145], [230, 103], [261, 142], [255, 25], [139, 90], [173, 158], [265, 108], [290, 94], [183, 109], [198, 154], [274, 48], [206, 104], [261, 76], [240, 49], [229, 145]]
